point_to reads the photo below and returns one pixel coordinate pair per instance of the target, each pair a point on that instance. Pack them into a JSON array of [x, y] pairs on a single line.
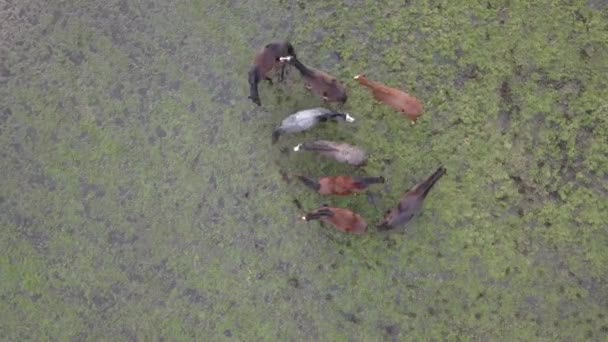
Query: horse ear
[[290, 49]]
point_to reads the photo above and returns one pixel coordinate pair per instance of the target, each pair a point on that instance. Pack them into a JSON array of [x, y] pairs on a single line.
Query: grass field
[[141, 198]]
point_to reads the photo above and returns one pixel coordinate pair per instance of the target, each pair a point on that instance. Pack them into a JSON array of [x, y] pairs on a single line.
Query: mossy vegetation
[[141, 196]]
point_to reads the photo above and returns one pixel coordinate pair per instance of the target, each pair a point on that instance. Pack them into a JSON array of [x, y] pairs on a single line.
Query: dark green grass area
[[141, 198]]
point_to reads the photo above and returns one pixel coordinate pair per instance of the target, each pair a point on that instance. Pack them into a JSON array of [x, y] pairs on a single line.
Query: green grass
[[128, 145]]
